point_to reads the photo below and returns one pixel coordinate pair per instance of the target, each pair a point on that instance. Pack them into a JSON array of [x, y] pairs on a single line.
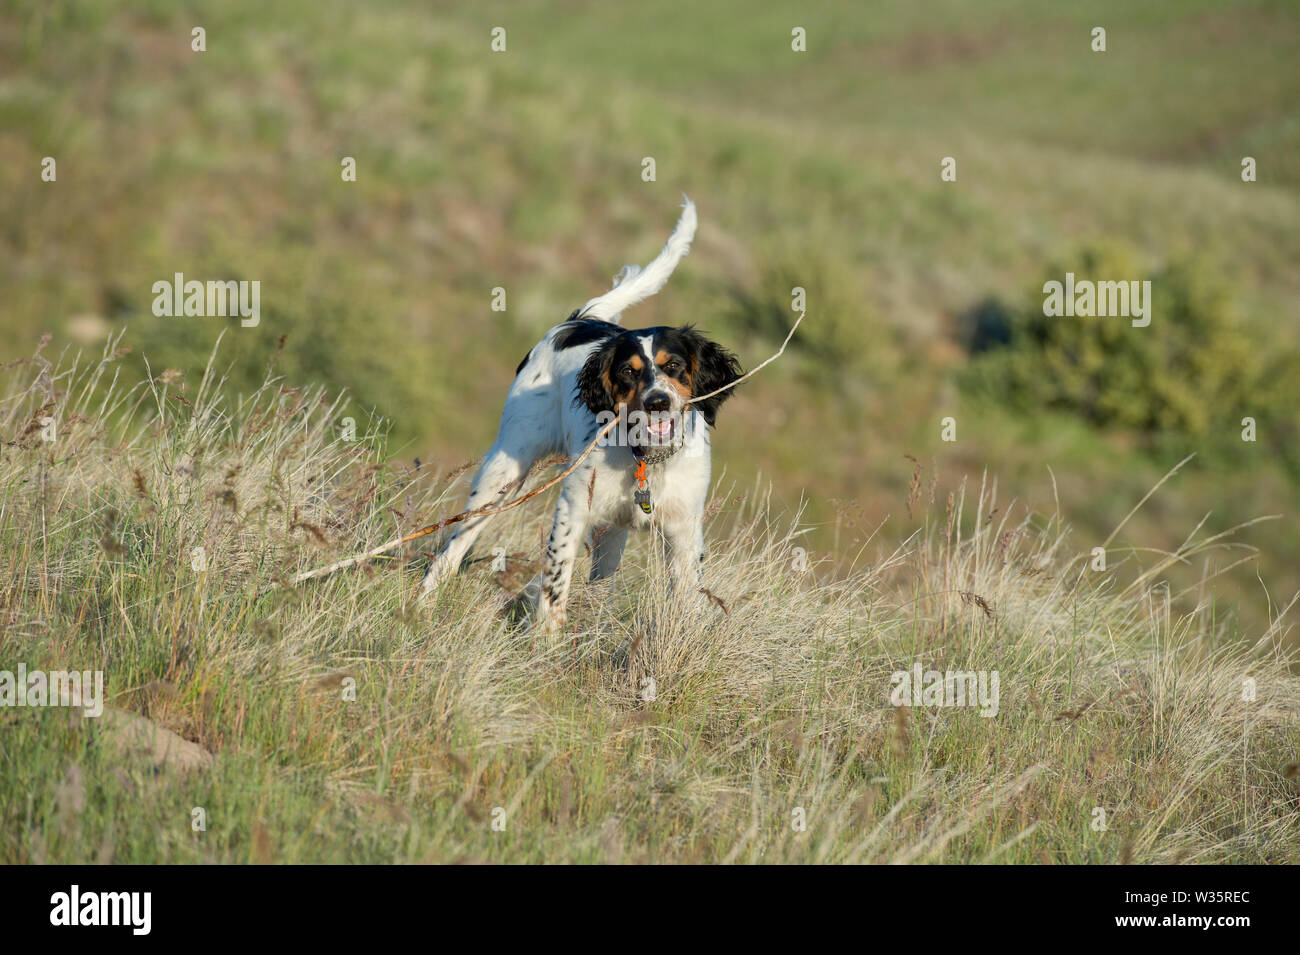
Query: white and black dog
[[651, 471]]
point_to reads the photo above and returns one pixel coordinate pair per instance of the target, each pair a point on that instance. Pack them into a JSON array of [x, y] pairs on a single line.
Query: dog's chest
[[668, 495]]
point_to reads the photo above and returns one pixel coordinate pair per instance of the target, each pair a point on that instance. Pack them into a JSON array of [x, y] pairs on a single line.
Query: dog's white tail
[[634, 284]]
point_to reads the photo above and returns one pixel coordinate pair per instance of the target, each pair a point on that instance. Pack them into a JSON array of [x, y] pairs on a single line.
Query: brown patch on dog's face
[[615, 375], [677, 370], [626, 375], [710, 366]]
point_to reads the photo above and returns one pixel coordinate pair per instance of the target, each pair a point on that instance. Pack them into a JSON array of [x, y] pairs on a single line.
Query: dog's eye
[[627, 373], [672, 366]]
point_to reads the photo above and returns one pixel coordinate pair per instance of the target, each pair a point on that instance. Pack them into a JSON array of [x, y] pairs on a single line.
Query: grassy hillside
[[342, 722], [522, 170]]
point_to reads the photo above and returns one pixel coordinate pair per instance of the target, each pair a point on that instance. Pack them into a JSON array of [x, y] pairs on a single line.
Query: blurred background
[[523, 169]]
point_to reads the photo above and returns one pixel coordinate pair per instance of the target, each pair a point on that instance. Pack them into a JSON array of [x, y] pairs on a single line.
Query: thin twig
[[779, 352]]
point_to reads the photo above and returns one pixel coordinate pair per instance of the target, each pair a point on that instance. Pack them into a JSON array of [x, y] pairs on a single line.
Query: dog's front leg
[[683, 548], [572, 513]]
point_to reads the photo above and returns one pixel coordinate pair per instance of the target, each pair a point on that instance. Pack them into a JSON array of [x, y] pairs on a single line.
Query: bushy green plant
[[1183, 382]]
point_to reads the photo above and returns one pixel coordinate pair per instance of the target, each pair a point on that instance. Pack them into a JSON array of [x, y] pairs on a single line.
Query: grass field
[[342, 722], [523, 170]]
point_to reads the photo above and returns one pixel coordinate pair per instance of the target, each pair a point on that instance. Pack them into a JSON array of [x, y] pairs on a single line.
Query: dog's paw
[[550, 624]]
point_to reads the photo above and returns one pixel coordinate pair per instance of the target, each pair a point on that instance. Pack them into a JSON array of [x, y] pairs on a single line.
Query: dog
[[651, 472]]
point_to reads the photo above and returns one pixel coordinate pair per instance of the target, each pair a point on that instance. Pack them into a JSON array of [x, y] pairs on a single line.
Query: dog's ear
[[712, 368], [593, 380]]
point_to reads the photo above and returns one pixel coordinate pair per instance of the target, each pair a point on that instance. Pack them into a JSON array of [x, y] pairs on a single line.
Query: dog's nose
[[657, 401]]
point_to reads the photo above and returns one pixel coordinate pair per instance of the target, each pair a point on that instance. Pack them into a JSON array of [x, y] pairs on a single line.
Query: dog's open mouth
[[661, 431], [658, 433]]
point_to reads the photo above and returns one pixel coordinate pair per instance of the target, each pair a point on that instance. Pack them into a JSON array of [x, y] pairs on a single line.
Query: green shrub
[[1182, 383]]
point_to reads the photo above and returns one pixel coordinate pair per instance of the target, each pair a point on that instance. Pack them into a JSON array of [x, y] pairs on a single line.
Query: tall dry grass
[[350, 723]]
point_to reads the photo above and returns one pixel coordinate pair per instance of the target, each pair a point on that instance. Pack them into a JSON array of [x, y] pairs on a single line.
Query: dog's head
[[651, 374]]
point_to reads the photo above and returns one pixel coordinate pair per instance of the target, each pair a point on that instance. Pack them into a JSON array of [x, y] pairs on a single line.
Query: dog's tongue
[[661, 429]]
